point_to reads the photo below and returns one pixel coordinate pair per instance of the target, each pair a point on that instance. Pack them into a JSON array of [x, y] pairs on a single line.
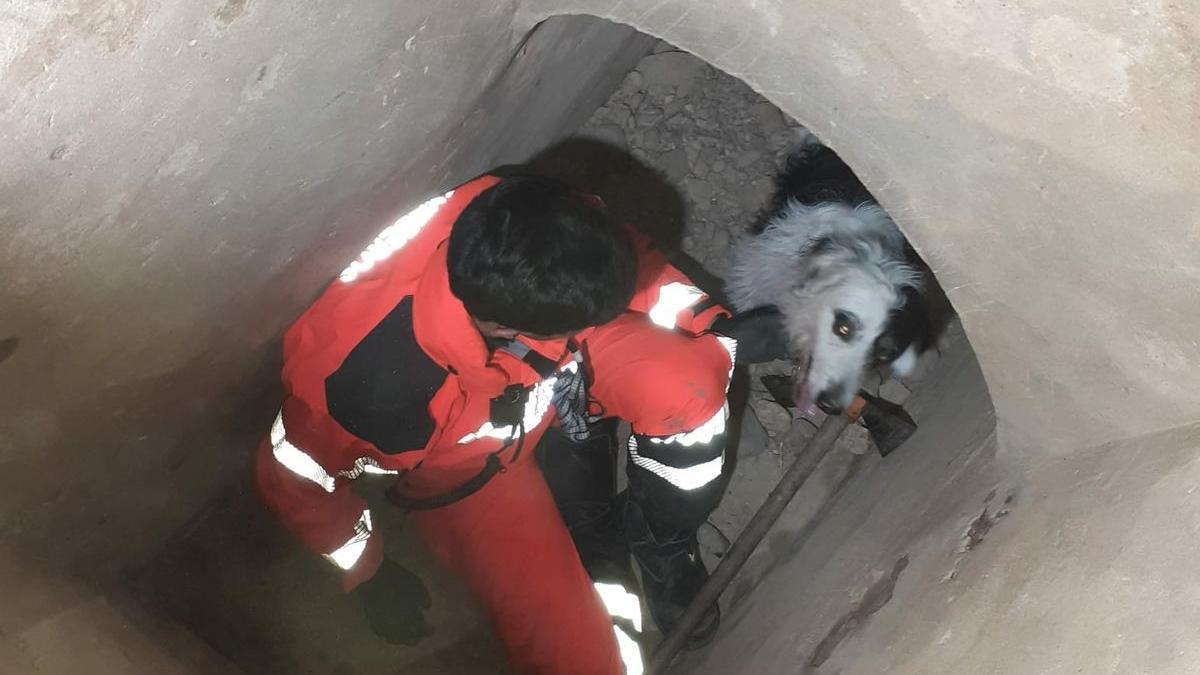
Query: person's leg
[[671, 388], [509, 543], [581, 475]]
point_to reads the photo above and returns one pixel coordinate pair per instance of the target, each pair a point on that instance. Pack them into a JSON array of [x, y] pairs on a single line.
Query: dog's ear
[[810, 269], [910, 299], [811, 261]]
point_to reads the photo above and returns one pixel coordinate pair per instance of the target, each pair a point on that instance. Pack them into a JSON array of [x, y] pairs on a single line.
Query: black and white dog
[[850, 288]]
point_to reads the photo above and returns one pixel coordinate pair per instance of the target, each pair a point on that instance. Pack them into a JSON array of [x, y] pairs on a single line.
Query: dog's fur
[[848, 285]]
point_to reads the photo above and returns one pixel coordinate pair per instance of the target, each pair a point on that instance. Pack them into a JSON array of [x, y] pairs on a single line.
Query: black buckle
[[508, 409]]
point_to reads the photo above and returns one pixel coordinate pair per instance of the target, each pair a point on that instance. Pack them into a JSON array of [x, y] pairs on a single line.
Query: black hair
[[533, 255]]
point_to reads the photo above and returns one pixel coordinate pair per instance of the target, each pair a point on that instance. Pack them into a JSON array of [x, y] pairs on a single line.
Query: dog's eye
[[885, 355], [843, 325]]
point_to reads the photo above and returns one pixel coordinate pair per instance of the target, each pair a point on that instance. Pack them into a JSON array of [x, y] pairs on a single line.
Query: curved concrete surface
[[180, 178]]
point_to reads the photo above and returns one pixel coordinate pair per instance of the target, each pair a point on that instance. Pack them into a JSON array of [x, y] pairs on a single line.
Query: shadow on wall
[[634, 192], [243, 585]]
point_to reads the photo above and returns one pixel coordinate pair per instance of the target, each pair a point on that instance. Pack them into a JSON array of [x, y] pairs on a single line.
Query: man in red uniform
[[481, 350]]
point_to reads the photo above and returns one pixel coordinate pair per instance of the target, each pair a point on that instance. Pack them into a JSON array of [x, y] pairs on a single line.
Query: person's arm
[[317, 506], [673, 301]]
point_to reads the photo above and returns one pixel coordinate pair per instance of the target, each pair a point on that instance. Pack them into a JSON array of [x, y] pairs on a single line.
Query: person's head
[[531, 256]]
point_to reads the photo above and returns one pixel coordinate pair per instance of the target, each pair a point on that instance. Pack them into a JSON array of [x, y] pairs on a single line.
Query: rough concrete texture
[[179, 180], [91, 632]]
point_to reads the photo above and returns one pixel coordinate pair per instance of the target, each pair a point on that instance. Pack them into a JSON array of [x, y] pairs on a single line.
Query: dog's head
[[844, 317]]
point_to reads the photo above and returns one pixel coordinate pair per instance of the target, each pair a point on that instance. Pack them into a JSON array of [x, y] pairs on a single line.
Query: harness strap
[[490, 468], [502, 406]]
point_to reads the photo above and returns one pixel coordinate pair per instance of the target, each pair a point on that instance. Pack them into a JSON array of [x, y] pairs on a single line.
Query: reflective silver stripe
[[296, 460], [348, 554], [394, 237], [303, 465], [692, 477], [620, 603], [631, 652], [673, 298], [687, 478], [715, 426], [300, 463], [375, 468], [365, 465], [536, 407], [730, 346]]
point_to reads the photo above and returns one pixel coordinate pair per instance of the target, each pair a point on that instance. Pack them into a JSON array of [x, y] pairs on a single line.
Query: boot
[[672, 572]]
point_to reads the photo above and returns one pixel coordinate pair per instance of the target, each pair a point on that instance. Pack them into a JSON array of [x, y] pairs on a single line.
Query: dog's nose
[[827, 402]]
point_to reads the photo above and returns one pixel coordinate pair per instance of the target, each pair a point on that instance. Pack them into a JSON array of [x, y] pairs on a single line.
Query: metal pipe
[[814, 451]]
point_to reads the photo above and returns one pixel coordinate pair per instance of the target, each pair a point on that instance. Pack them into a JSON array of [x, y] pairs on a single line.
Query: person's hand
[[394, 601], [759, 333]]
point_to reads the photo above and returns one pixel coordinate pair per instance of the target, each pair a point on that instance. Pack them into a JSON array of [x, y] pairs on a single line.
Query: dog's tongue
[[804, 400]]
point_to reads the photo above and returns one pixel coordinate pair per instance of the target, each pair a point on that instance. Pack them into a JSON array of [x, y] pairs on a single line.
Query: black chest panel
[[382, 390]]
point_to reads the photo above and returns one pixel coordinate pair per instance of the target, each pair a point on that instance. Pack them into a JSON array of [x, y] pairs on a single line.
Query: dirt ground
[[718, 143]]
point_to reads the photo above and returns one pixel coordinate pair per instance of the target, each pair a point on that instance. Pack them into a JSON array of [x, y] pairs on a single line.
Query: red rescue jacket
[[304, 467]]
